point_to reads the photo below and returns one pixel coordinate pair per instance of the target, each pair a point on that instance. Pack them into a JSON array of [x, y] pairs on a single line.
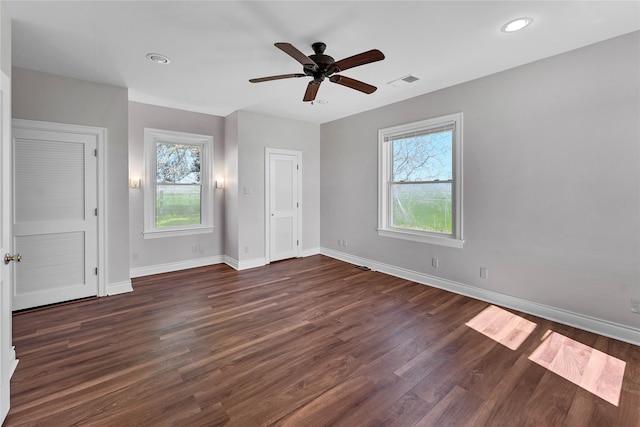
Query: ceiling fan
[[320, 66]]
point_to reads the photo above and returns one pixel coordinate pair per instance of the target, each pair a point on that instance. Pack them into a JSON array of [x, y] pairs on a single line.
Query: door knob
[[8, 258]]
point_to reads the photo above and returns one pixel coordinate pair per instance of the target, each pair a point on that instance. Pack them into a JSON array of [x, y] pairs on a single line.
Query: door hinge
[[297, 205], [297, 242], [95, 153], [96, 271], [297, 167], [95, 211]]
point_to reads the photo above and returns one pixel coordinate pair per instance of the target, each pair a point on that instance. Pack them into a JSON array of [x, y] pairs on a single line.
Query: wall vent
[[403, 81]]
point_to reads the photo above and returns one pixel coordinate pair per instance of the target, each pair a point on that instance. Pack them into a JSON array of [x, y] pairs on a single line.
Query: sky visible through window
[[423, 158], [177, 163]]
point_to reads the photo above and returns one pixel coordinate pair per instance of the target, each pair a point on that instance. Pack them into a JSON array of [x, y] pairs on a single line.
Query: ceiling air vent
[[403, 81]]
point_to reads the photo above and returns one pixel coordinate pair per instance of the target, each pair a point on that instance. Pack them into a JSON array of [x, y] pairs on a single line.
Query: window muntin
[[178, 170], [420, 181]]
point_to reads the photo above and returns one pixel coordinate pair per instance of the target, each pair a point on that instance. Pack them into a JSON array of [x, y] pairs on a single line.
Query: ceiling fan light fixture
[[158, 58], [516, 25]]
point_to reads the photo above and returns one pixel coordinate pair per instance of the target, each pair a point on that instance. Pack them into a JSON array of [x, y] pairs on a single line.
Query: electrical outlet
[[434, 262], [345, 243], [134, 256], [246, 249], [194, 249], [635, 305], [484, 273], [339, 242]]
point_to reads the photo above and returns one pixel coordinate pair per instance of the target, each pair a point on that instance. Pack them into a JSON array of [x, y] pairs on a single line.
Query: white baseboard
[[176, 266], [310, 252], [245, 264], [587, 323], [13, 362], [201, 262], [231, 262], [119, 288], [252, 263], [260, 262]]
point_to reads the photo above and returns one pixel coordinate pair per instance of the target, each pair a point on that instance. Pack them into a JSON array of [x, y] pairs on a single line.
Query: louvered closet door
[[55, 223]]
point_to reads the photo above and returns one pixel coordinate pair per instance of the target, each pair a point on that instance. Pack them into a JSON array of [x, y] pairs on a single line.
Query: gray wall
[[231, 185], [5, 40], [50, 98], [166, 250], [551, 182], [255, 132]]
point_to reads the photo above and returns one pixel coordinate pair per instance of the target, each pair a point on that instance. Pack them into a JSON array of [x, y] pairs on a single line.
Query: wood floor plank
[[506, 403], [455, 407], [304, 342]]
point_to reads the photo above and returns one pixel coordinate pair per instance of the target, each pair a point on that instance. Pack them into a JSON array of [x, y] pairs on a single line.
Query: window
[[178, 192], [420, 181]]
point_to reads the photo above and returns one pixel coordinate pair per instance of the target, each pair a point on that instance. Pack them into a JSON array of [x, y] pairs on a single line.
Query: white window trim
[[384, 178], [149, 183]]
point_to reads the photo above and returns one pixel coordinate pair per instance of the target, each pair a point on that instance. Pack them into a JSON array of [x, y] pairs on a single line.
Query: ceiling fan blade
[[281, 76], [353, 84], [291, 50], [312, 91], [356, 60]]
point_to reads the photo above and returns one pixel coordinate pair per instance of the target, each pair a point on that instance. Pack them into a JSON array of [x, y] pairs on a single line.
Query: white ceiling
[[215, 47]]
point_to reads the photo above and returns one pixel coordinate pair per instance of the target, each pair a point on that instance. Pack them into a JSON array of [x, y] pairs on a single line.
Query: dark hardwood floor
[[305, 342]]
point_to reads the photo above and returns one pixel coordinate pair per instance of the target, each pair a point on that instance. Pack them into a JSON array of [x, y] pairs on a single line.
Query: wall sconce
[[220, 183], [134, 182]]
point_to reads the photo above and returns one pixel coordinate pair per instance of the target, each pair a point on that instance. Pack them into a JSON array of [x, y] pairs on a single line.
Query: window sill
[[422, 238], [156, 234]]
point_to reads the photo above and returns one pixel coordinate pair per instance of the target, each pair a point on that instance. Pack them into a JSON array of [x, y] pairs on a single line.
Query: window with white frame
[[178, 195], [420, 181]]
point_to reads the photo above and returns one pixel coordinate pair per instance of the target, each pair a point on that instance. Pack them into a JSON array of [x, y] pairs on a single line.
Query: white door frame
[[101, 142], [8, 361], [267, 198]]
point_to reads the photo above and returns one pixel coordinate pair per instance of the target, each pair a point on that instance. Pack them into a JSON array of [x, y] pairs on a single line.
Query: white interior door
[[55, 215], [7, 353], [283, 204]]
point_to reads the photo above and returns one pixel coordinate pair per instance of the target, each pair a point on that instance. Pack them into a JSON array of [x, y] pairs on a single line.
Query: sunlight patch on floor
[[591, 369], [502, 326]]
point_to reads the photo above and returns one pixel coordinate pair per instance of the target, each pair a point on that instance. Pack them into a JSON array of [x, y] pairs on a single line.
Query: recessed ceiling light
[[158, 58], [516, 25]]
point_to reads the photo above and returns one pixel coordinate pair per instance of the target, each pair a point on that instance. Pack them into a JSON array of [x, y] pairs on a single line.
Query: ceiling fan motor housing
[[323, 61]]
